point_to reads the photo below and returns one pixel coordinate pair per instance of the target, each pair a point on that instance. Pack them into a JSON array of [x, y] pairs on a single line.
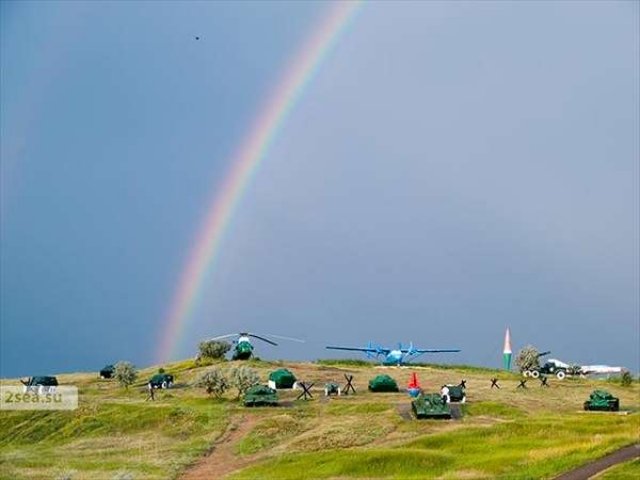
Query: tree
[[528, 358], [243, 378], [125, 373], [627, 379], [574, 370], [213, 381], [213, 349]]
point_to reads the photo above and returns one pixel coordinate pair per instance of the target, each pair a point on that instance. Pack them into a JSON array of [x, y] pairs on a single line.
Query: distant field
[[507, 433]]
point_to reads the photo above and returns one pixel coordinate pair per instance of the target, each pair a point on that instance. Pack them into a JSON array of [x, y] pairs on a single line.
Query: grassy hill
[[507, 433]]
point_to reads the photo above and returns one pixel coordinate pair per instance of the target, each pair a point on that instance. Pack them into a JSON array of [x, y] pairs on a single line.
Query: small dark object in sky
[[197, 38]]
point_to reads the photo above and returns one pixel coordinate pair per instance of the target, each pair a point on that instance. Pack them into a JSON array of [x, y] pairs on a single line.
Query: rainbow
[[244, 165]]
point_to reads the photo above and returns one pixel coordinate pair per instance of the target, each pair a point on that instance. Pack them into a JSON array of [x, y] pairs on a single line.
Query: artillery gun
[[603, 401], [430, 405], [550, 367]]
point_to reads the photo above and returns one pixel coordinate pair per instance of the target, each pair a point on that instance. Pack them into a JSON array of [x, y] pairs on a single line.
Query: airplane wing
[[587, 369], [384, 351], [430, 350]]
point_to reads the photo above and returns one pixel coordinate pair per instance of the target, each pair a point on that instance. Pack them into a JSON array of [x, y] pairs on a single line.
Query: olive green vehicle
[[602, 400], [259, 396], [430, 405]]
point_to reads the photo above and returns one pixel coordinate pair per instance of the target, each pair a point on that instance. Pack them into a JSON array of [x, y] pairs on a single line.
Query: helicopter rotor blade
[[262, 338], [224, 336], [285, 338]]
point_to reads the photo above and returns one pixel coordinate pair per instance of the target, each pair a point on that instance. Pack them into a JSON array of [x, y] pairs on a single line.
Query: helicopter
[[398, 356], [243, 348]]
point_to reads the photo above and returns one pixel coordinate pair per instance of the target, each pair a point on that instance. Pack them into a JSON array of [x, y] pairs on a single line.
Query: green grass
[[514, 450], [357, 408], [508, 433], [270, 432], [492, 409], [99, 439], [625, 471], [345, 362]]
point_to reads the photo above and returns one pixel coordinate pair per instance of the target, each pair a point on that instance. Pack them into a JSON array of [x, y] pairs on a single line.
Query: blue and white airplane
[[398, 356]]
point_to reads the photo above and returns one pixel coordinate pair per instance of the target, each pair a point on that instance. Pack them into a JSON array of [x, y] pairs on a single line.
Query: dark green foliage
[[627, 379]]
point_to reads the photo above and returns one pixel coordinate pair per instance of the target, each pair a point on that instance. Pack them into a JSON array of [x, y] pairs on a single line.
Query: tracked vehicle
[[260, 396], [430, 405], [603, 401]]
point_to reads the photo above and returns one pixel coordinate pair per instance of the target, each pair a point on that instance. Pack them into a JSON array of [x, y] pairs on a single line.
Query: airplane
[[398, 356]]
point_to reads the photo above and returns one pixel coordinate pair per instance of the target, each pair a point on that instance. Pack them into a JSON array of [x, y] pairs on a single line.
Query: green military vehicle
[[40, 385], [457, 393], [430, 405], [161, 380], [260, 395], [107, 372], [331, 388], [603, 401], [383, 383], [282, 378]]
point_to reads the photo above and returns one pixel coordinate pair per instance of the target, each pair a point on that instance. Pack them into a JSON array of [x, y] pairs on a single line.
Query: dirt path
[[222, 459], [589, 470]]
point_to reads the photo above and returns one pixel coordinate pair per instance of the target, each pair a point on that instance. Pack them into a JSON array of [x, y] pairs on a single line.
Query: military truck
[[161, 380], [40, 385], [603, 401], [107, 371], [430, 405], [550, 367], [260, 395]]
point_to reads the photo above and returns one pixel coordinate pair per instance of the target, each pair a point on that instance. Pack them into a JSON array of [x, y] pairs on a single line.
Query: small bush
[[213, 349], [125, 373], [627, 379], [528, 358], [243, 378], [213, 381]]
